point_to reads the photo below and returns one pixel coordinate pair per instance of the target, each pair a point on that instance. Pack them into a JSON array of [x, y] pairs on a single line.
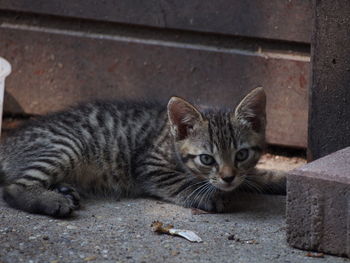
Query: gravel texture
[[109, 231]]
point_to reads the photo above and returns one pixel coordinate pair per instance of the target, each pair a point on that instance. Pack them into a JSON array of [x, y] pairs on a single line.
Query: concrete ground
[[107, 231]]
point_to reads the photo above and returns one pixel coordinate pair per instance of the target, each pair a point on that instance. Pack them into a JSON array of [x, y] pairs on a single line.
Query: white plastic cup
[[5, 70]]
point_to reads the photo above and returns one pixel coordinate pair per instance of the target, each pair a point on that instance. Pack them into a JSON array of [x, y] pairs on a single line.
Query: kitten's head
[[220, 146]]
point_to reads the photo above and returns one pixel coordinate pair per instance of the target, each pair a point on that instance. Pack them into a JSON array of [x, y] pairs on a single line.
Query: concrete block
[[318, 207]]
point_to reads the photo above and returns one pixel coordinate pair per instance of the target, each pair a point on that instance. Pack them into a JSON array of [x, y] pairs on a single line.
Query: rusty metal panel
[[329, 125], [273, 19], [52, 70]]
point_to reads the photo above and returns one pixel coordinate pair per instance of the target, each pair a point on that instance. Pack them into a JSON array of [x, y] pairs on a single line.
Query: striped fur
[[129, 149]]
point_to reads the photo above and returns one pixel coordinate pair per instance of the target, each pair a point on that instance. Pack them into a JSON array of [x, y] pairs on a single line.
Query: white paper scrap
[[188, 234]]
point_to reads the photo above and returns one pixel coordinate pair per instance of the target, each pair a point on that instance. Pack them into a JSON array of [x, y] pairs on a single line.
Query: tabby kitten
[[123, 149]]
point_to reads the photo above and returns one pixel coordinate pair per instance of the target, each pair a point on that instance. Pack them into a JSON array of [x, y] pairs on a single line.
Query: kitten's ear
[[182, 116], [252, 109]]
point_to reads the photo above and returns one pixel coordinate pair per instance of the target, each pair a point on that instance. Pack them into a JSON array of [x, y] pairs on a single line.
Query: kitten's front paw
[[219, 203], [215, 205], [54, 204], [62, 207], [69, 192]]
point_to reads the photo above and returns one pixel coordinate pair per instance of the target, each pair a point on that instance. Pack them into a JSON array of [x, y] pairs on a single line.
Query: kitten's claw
[[69, 192]]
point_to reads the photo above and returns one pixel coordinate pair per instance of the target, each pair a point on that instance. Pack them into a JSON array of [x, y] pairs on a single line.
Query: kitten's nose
[[227, 174], [228, 179]]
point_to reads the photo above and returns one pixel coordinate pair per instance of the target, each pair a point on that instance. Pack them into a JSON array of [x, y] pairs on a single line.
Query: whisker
[[210, 193], [267, 186], [205, 192], [199, 193], [191, 185], [193, 192], [253, 186]]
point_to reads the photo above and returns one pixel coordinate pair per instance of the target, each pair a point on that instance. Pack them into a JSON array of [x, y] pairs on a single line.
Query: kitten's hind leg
[[32, 193]]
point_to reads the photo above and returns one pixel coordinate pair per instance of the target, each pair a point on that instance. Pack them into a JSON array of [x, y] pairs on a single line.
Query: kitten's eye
[[206, 159], [242, 155]]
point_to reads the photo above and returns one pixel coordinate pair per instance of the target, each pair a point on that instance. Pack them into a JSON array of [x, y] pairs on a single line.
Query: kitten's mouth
[[225, 187], [228, 188]]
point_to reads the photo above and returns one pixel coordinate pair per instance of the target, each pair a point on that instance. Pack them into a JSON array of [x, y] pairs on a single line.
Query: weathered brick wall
[[209, 52]]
